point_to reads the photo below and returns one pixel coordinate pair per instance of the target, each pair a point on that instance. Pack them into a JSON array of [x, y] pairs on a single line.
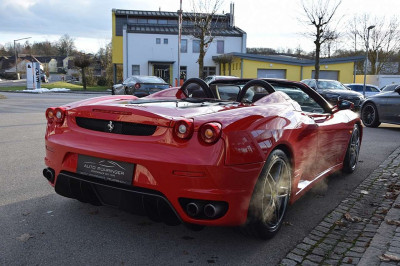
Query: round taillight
[[137, 86], [183, 129], [50, 114], [59, 115], [210, 133]]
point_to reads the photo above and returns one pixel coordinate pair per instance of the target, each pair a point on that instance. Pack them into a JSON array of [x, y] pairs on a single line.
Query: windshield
[[330, 85], [389, 88]]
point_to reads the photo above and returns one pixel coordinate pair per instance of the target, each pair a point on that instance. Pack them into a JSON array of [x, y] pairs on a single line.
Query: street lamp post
[[366, 58], [179, 43], [355, 53], [15, 53]]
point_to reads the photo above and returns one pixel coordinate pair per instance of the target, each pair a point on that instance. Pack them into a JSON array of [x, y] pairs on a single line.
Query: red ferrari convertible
[[234, 152]]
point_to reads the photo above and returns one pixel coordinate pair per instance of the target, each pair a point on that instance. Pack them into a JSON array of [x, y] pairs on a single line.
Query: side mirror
[[397, 90], [343, 105]]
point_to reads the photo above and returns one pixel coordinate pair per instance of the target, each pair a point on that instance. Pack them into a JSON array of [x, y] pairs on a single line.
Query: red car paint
[[224, 171]]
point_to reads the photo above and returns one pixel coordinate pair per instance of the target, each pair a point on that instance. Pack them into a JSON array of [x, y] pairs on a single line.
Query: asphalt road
[[12, 83], [40, 227]]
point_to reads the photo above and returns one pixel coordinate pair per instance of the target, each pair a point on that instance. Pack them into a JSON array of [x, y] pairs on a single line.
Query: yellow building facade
[[254, 66]]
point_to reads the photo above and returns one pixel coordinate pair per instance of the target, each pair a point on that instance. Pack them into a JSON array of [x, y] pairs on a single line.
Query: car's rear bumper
[[171, 177]]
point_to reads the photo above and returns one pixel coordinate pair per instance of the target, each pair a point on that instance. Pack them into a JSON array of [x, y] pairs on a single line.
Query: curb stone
[[362, 228]]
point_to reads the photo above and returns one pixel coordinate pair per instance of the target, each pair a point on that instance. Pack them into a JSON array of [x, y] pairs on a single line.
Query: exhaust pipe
[[192, 209], [211, 211], [48, 173]]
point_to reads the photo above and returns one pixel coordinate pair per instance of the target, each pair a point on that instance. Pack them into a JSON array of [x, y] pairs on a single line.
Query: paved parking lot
[[40, 227]]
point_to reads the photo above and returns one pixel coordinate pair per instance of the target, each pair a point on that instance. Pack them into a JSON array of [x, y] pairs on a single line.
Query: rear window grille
[[116, 127]]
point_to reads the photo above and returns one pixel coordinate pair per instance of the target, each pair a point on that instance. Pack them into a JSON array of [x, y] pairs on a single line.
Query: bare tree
[[82, 61], [204, 20], [65, 45], [319, 16], [384, 40]]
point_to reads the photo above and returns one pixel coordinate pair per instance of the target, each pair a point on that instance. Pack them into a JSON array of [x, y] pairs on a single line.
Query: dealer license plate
[[109, 170]]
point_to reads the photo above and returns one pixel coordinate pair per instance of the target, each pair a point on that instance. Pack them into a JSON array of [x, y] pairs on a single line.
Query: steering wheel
[[194, 84], [255, 82]]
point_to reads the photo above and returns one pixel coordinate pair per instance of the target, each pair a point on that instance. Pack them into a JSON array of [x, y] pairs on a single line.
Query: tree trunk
[[201, 60], [372, 61], [317, 52], [83, 79]]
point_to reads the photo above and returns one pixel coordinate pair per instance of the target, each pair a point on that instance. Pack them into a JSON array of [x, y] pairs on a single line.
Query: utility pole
[[355, 53], [179, 42], [366, 58]]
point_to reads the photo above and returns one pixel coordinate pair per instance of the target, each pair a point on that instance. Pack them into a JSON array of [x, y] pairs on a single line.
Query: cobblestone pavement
[[363, 230]]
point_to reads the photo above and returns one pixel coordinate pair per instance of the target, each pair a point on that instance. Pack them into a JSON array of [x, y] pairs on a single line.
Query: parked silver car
[[382, 108], [390, 87], [140, 86], [359, 87]]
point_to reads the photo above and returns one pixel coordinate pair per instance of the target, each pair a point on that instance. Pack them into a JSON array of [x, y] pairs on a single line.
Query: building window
[[173, 22], [183, 46], [135, 70], [196, 46], [158, 40], [220, 47], [165, 41], [209, 71], [183, 73]]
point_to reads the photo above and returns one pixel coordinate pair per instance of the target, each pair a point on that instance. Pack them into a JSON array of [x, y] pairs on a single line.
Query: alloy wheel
[[354, 147], [275, 193], [369, 114]]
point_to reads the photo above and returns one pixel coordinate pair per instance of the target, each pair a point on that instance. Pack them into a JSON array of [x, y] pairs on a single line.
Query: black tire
[[369, 115], [353, 150], [270, 197]]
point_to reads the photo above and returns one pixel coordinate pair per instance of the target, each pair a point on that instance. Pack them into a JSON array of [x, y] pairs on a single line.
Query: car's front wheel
[[270, 197], [353, 150], [369, 115]]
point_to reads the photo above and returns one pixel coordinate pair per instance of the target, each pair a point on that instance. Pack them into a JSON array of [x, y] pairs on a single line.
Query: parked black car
[[382, 108], [331, 90], [140, 86]]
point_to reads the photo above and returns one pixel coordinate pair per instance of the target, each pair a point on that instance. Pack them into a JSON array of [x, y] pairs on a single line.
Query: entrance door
[[162, 71]]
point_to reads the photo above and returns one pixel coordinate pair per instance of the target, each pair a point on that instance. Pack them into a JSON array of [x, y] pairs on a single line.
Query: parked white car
[[369, 88]]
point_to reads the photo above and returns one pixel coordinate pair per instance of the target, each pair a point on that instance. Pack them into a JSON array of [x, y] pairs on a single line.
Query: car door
[[333, 133], [322, 141], [333, 137], [390, 108]]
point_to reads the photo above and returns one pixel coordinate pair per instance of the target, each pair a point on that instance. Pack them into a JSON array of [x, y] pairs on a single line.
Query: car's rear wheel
[[270, 197], [369, 115], [353, 150]]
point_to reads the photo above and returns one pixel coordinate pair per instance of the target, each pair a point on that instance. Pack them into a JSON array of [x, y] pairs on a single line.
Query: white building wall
[[140, 49]]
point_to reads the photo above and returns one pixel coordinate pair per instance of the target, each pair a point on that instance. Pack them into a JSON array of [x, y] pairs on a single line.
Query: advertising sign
[[33, 75]]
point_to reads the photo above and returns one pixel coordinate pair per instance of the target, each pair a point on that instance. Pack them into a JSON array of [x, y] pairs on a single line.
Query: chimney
[[232, 15]]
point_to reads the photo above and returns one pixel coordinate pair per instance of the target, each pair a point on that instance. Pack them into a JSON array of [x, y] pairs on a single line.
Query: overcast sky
[[268, 23]]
